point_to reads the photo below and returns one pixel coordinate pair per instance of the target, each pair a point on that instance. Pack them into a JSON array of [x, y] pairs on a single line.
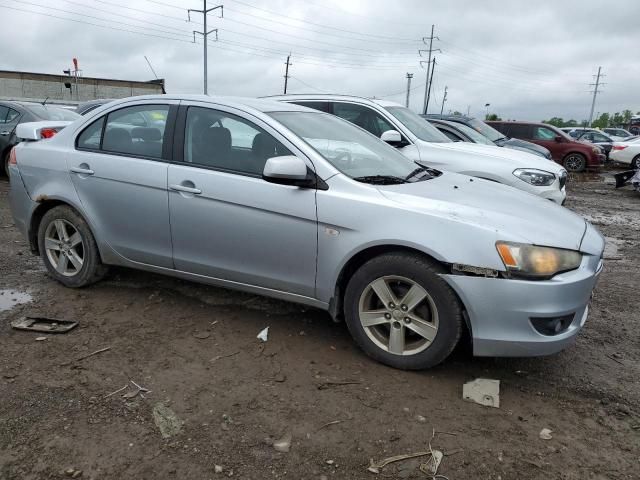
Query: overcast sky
[[529, 60]]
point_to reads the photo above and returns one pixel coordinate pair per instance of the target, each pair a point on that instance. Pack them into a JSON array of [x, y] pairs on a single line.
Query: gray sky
[[529, 60]]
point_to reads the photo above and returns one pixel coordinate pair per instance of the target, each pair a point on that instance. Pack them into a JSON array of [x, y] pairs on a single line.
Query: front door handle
[[82, 171], [5, 133], [186, 189]]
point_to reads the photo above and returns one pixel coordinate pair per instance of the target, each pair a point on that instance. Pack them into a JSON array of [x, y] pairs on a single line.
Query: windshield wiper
[[380, 179]]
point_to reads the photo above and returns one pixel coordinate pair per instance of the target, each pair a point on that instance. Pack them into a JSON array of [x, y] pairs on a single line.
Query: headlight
[[531, 261], [533, 176]]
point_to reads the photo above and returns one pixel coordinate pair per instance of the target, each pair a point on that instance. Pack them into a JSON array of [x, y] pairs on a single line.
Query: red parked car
[[576, 156]]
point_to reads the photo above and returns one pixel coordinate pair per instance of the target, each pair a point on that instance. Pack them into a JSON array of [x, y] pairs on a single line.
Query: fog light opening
[[552, 325]]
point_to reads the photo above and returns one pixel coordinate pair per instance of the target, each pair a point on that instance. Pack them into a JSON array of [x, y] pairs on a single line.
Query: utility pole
[[409, 77], [595, 94], [286, 72], [433, 69], [431, 50], [444, 99], [205, 33]]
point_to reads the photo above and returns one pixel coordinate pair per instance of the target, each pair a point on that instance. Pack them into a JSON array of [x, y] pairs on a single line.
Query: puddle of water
[[11, 298]]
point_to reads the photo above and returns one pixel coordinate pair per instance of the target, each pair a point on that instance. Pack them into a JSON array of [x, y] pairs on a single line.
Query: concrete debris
[[482, 391], [166, 421], [217, 469], [545, 434], [263, 334], [284, 444]]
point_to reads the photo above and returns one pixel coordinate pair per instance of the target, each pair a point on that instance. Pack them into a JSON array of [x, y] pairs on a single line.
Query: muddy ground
[[195, 349]]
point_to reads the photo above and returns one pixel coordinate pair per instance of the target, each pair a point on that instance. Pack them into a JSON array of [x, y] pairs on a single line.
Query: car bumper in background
[[503, 312]]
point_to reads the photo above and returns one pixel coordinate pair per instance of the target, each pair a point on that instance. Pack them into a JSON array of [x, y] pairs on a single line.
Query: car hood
[[513, 215], [516, 158]]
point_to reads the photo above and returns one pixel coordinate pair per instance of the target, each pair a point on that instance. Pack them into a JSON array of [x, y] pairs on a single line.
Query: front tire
[[68, 248], [401, 313], [575, 162]]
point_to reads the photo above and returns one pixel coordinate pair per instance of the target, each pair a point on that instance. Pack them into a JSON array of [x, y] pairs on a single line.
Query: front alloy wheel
[[398, 315], [401, 312], [575, 162]]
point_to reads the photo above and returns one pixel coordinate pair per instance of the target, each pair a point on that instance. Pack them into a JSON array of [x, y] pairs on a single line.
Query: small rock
[[202, 335], [284, 444], [69, 471], [330, 462], [77, 474], [217, 468], [40, 339], [280, 378], [405, 409], [421, 419], [545, 434]]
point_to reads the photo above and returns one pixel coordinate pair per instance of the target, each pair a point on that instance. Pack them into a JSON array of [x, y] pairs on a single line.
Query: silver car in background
[[285, 201]]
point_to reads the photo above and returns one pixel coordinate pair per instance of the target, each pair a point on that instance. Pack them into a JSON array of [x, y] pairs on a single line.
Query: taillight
[[47, 132], [619, 147]]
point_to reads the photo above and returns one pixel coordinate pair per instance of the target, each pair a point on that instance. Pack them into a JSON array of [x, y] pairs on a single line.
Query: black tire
[[425, 273], [92, 269], [635, 163], [575, 162]]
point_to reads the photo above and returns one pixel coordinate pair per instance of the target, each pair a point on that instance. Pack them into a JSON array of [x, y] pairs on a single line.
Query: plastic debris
[[375, 467], [482, 391], [43, 324], [284, 444], [545, 434], [263, 334], [430, 467]]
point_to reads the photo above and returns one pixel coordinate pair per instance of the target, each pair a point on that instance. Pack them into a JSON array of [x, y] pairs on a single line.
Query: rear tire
[[68, 248], [575, 162], [635, 163], [401, 313]]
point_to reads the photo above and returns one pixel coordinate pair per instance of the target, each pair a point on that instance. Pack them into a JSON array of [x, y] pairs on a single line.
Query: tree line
[[618, 119]]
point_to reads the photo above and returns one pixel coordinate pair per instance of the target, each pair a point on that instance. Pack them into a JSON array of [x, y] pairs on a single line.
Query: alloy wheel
[[574, 163], [64, 247], [398, 315]]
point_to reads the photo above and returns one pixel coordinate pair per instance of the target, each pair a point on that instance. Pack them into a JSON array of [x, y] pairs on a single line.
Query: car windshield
[[476, 136], [353, 151], [418, 125], [486, 130], [47, 112]]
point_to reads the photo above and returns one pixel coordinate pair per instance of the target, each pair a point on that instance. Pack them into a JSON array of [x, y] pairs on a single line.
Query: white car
[[422, 142], [627, 153], [618, 134]]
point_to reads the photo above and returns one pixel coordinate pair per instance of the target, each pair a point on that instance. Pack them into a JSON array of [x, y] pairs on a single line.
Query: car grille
[[563, 180]]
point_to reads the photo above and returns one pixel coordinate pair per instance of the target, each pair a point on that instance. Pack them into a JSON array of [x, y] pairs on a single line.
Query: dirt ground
[[195, 348]]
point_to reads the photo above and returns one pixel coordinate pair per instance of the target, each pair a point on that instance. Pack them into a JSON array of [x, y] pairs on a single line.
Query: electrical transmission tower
[[286, 72], [409, 77], [431, 50], [595, 93], [444, 99], [205, 33], [429, 82]]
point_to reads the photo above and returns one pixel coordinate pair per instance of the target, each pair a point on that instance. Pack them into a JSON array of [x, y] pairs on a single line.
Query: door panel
[[229, 223], [125, 196], [243, 229]]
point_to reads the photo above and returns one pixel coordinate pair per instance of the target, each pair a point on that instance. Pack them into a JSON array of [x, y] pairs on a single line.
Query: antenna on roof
[[45, 101]]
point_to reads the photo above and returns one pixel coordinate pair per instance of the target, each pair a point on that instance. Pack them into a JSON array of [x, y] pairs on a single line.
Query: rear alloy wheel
[[575, 162], [402, 313], [68, 248]]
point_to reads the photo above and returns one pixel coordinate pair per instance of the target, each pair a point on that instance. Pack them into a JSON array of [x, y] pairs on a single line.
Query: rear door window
[[136, 131], [518, 130], [322, 106], [544, 133], [90, 137]]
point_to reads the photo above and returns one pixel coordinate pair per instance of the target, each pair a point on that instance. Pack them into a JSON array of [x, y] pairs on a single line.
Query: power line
[[205, 33]]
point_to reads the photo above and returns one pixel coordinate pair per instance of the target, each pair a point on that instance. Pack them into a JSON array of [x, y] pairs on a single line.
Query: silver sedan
[[285, 201]]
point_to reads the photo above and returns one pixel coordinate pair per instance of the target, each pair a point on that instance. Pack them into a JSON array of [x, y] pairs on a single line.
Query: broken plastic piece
[[43, 324], [284, 444], [545, 434], [263, 334], [482, 391]]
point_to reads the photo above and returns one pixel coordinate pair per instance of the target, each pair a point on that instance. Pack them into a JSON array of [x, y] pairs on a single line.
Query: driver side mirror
[[393, 138], [287, 170], [558, 138]]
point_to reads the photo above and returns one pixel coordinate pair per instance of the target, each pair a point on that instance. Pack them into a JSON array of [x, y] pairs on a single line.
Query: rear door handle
[[82, 171], [182, 188]]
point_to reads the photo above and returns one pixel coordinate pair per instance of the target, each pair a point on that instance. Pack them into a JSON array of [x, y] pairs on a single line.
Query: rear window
[[47, 112]]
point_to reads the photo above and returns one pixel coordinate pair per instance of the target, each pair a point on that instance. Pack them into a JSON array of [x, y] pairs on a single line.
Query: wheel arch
[[45, 205], [336, 304]]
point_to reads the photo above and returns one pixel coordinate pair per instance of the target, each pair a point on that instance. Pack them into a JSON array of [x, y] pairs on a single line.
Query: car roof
[[259, 104], [451, 118], [332, 97]]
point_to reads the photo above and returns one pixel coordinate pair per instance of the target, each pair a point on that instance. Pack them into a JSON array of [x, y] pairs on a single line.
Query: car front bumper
[[500, 310]]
